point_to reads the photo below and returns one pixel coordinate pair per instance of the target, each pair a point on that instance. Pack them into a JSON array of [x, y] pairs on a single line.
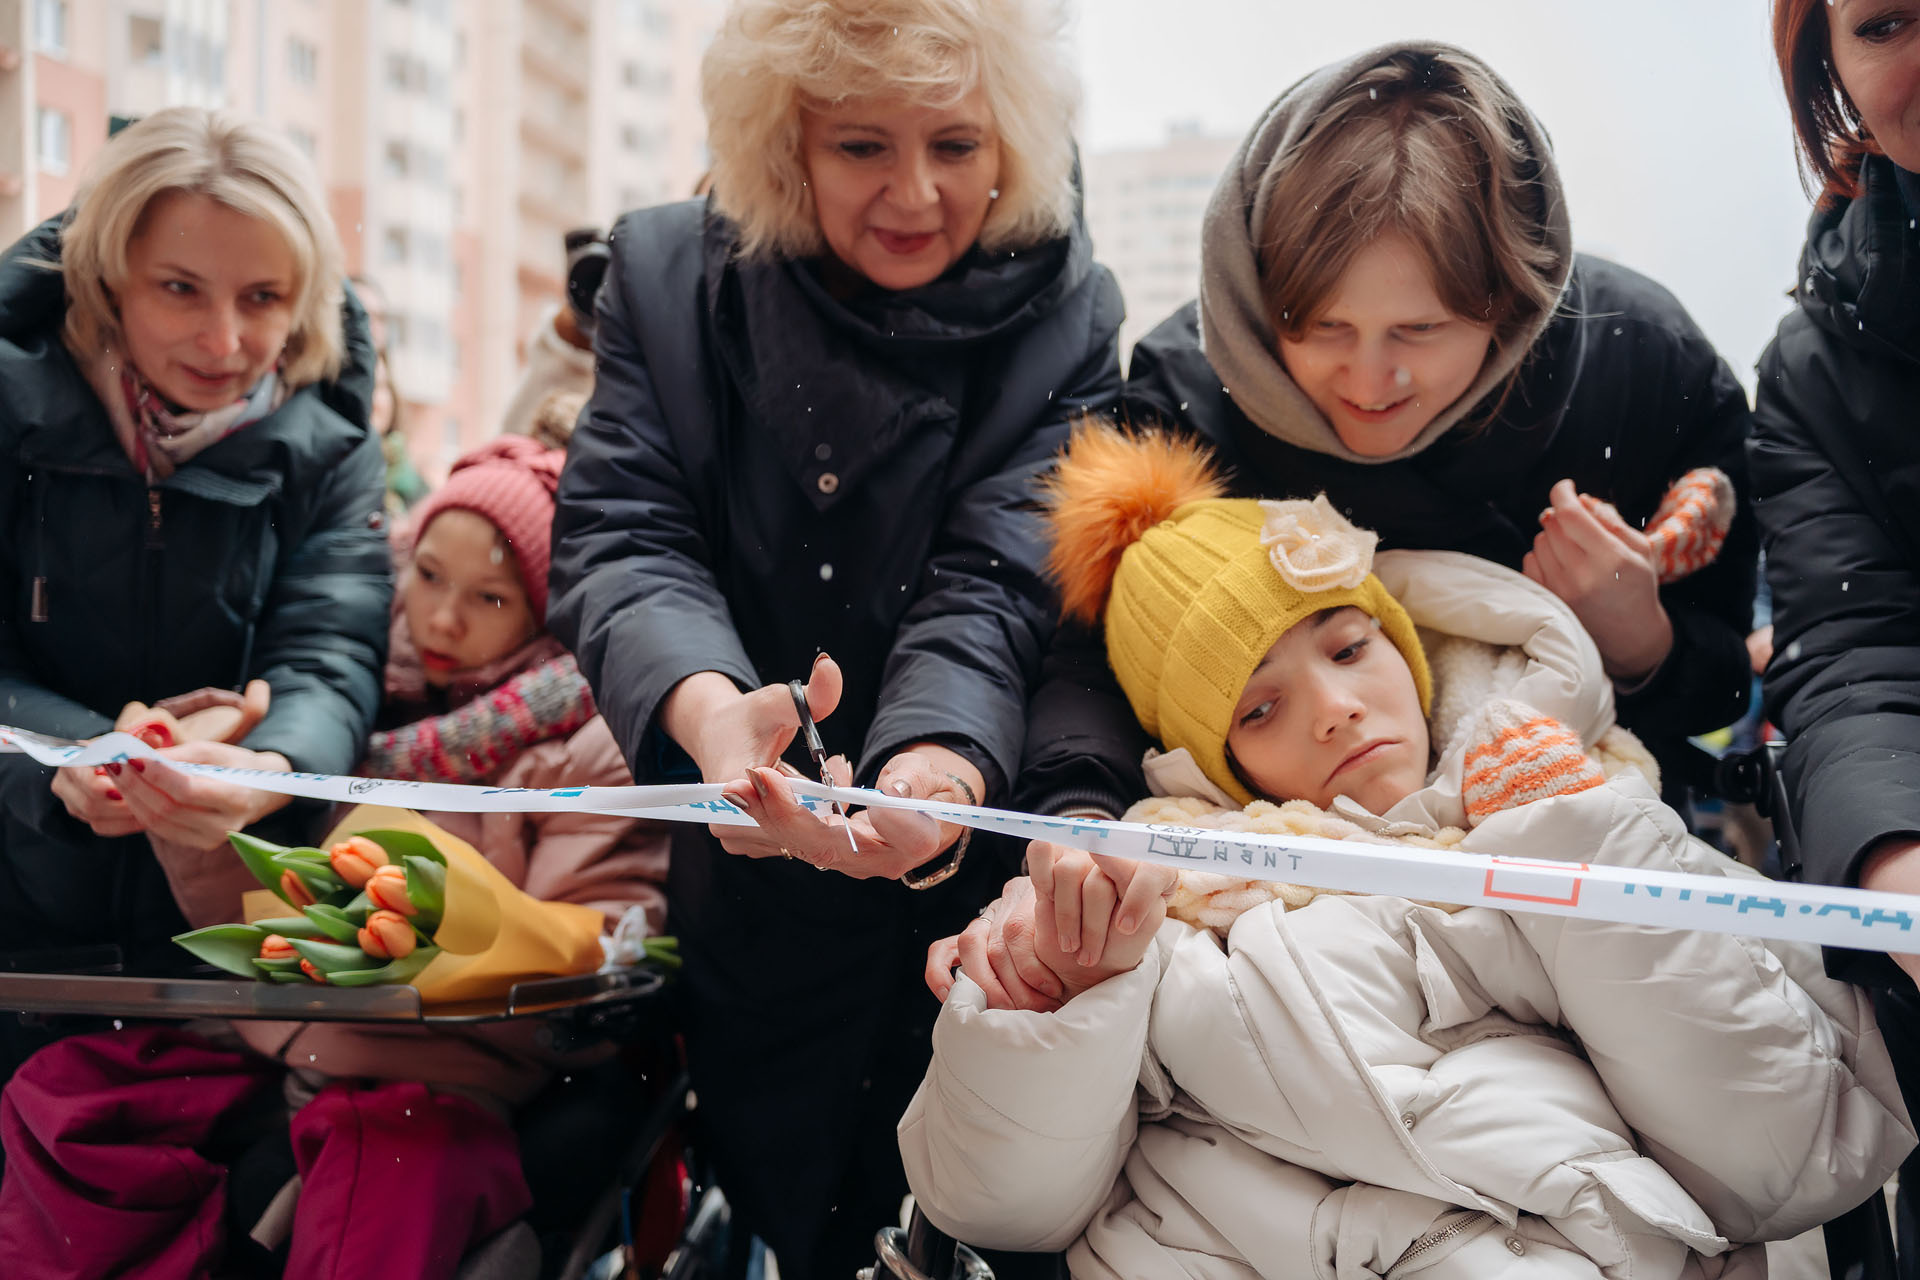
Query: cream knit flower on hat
[[1314, 547]]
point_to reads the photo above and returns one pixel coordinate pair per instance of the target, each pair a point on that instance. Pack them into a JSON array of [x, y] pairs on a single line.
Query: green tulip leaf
[[294, 976], [317, 873], [290, 927], [330, 956], [394, 971], [427, 890], [226, 946], [333, 922], [290, 964], [664, 952], [401, 845], [258, 854]]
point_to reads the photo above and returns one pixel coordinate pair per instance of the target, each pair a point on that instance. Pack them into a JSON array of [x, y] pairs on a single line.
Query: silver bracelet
[[942, 867]]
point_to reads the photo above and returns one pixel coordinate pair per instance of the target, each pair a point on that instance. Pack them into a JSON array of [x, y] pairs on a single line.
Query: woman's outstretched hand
[[93, 797], [884, 843], [1096, 916], [1606, 571], [193, 811], [998, 951], [205, 715], [737, 740], [1071, 923]]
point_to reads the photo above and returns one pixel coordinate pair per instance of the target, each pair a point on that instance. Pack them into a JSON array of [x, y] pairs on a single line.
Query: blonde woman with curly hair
[[820, 403], [191, 506]]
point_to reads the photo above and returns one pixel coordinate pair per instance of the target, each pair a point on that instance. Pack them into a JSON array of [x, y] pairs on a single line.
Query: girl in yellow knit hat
[[1200, 1076]]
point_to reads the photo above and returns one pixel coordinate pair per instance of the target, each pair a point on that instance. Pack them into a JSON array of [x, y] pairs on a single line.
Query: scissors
[[818, 750]]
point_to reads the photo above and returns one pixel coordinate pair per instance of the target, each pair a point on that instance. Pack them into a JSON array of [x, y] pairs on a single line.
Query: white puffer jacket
[[1366, 1086]]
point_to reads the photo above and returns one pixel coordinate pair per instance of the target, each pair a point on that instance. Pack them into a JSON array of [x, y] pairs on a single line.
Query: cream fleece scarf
[[1235, 334]]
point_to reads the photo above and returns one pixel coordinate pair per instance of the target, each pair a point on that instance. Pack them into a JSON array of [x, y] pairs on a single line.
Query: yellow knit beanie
[[1195, 588]]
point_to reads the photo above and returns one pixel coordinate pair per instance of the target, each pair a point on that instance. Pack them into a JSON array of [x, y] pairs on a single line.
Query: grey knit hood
[[1235, 333]]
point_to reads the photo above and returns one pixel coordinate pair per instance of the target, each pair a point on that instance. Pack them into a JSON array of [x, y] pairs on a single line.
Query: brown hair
[[1831, 140], [1431, 147]]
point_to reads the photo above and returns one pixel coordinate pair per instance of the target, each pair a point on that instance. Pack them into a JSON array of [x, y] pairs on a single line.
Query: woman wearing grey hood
[[1391, 312]]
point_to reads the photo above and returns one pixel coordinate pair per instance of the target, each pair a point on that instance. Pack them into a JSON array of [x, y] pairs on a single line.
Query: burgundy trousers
[[104, 1174]]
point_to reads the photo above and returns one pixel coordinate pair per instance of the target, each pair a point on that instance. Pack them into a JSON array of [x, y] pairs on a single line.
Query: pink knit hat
[[510, 482]]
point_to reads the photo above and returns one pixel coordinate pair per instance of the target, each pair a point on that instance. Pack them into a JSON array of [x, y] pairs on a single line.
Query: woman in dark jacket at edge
[[1836, 475], [1391, 311], [820, 406], [190, 502]]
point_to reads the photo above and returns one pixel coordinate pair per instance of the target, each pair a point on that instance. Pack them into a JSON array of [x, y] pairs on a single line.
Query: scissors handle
[[809, 732]]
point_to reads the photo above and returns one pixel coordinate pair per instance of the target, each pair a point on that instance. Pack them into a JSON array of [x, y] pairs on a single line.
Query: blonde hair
[[772, 57], [1432, 147], [238, 163]]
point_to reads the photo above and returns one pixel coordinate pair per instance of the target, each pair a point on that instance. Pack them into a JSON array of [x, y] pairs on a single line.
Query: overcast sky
[[1666, 116]]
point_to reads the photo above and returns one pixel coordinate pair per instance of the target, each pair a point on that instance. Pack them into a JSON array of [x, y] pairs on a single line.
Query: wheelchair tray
[[126, 996]]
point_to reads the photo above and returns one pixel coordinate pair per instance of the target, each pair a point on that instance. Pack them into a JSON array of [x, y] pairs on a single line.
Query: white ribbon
[[1819, 914]]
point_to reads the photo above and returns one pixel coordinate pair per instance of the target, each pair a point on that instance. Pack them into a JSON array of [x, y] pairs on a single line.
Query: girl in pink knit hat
[[402, 1138]]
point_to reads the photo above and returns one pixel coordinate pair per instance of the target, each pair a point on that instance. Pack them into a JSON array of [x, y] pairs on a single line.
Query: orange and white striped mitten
[[1692, 522], [1517, 755]]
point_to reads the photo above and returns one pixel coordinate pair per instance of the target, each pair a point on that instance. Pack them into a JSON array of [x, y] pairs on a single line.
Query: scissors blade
[[810, 732]]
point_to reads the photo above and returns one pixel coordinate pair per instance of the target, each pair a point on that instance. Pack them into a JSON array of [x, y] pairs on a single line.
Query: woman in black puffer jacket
[[821, 401], [190, 504], [1836, 472]]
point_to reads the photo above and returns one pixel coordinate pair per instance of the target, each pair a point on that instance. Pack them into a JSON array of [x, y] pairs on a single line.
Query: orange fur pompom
[[1111, 486]]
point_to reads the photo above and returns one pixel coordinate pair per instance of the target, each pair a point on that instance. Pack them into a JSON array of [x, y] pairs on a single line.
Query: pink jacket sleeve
[[605, 862]]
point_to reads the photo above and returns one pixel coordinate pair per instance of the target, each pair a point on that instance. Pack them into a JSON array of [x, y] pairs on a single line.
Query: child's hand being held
[[1094, 916]]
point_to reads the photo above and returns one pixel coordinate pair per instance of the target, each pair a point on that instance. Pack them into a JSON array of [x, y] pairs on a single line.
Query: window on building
[[303, 60], [50, 26], [630, 137], [394, 245], [647, 14], [630, 74], [397, 160], [308, 144], [146, 46], [56, 141]]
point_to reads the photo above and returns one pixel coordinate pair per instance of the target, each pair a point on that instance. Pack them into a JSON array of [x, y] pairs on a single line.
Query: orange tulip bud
[[295, 890], [307, 967], [355, 859], [387, 936], [275, 947], [387, 889]]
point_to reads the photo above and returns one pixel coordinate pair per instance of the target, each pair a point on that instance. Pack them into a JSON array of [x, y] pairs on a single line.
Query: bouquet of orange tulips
[[394, 898], [362, 911]]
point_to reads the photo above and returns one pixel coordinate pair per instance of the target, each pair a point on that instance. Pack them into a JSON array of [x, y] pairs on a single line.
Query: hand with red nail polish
[[199, 812], [92, 798]]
